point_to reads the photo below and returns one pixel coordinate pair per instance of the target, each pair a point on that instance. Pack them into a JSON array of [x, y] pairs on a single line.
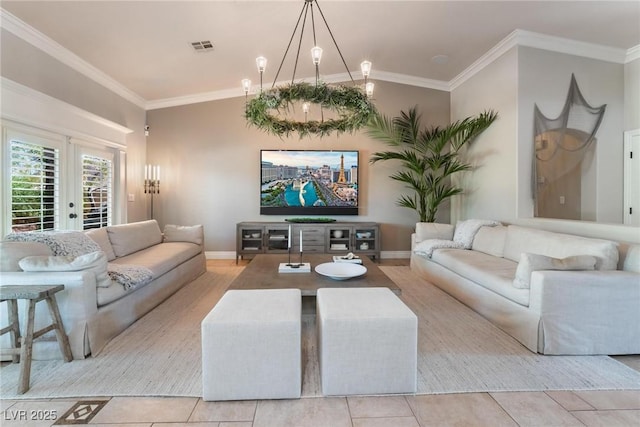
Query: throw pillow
[[182, 233], [94, 261], [133, 237], [13, 252], [535, 262], [101, 237], [433, 230]]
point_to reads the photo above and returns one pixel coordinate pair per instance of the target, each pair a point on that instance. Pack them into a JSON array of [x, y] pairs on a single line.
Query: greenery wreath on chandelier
[[352, 106]]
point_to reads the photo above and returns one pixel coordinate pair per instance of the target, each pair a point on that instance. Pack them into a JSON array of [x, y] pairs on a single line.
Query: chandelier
[[350, 106]]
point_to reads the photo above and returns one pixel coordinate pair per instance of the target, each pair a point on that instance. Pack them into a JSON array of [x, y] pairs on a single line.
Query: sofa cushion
[[13, 252], [161, 258], [490, 240], [558, 245], [490, 272], [94, 261], [113, 292], [534, 262], [631, 261], [101, 237], [433, 230], [129, 238], [181, 233]]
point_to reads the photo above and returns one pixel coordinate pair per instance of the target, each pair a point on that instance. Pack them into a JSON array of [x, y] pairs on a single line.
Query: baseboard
[[232, 254], [395, 254], [220, 254]]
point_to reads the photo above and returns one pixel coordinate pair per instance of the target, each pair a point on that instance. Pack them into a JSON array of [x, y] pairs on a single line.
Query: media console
[[338, 238]]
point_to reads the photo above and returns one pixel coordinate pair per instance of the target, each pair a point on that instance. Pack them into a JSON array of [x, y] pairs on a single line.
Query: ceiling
[[145, 46]]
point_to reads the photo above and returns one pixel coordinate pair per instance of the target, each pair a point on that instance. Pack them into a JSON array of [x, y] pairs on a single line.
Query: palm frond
[[428, 156], [382, 128]]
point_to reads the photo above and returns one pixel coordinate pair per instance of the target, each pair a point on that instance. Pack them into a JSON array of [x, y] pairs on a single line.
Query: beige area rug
[[459, 351]]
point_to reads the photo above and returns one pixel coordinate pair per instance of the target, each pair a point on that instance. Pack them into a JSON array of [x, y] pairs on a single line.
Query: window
[[54, 182], [35, 186], [97, 191]]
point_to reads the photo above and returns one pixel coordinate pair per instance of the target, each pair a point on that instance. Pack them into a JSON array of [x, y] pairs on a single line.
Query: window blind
[[97, 192], [35, 187]]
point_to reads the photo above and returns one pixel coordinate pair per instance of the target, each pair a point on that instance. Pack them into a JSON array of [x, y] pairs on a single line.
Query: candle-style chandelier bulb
[[365, 66], [368, 89], [246, 86], [305, 109], [316, 55], [261, 63]]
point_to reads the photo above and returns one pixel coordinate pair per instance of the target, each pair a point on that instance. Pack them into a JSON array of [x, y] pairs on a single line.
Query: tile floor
[[559, 408], [553, 408]]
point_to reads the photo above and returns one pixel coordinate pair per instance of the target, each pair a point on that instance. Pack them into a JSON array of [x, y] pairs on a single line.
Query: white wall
[[632, 95], [490, 189]]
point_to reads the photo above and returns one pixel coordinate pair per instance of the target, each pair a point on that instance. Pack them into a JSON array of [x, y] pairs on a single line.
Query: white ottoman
[[367, 339], [251, 346]]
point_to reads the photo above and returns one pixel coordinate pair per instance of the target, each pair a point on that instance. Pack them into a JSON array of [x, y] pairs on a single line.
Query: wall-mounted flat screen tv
[[309, 182]]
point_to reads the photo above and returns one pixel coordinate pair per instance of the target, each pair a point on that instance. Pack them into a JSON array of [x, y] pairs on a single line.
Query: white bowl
[[255, 235], [340, 270]]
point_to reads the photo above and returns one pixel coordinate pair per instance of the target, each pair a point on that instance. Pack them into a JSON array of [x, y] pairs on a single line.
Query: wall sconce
[[151, 182]]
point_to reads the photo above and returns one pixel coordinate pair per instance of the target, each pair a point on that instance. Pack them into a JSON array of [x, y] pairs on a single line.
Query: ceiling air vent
[[202, 46]]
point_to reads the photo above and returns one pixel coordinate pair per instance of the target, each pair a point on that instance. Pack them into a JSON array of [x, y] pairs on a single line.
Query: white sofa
[[94, 307], [592, 310]]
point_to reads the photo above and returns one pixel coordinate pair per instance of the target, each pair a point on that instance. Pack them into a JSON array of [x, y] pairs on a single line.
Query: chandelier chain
[[335, 43], [304, 23], [304, 7]]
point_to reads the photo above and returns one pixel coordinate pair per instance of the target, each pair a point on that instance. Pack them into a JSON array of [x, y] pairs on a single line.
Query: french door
[[53, 182]]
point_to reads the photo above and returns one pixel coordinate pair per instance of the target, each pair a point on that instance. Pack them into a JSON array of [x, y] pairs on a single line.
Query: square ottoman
[[368, 342], [251, 346]]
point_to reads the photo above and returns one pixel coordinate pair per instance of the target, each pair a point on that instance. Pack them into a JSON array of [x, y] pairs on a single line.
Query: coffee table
[[262, 273]]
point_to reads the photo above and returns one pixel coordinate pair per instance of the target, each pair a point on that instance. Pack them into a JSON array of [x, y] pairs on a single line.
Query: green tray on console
[[305, 220]]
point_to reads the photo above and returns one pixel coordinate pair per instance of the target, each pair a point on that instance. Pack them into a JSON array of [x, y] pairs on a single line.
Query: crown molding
[[494, 53], [411, 80], [545, 42], [633, 54], [571, 47], [332, 78], [34, 37]]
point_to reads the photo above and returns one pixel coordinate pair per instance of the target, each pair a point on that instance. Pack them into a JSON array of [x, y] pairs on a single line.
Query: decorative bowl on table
[[340, 271]]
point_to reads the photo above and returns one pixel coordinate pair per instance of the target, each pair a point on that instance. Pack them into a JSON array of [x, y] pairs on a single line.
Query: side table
[[22, 351]]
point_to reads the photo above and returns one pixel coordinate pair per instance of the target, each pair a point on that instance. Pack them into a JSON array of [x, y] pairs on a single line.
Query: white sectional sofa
[[112, 277], [592, 309]]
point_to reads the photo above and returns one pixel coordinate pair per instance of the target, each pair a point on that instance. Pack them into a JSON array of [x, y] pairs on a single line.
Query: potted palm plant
[[428, 156]]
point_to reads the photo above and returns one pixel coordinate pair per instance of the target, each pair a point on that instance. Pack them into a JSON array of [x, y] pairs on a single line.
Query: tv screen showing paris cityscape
[[308, 178]]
